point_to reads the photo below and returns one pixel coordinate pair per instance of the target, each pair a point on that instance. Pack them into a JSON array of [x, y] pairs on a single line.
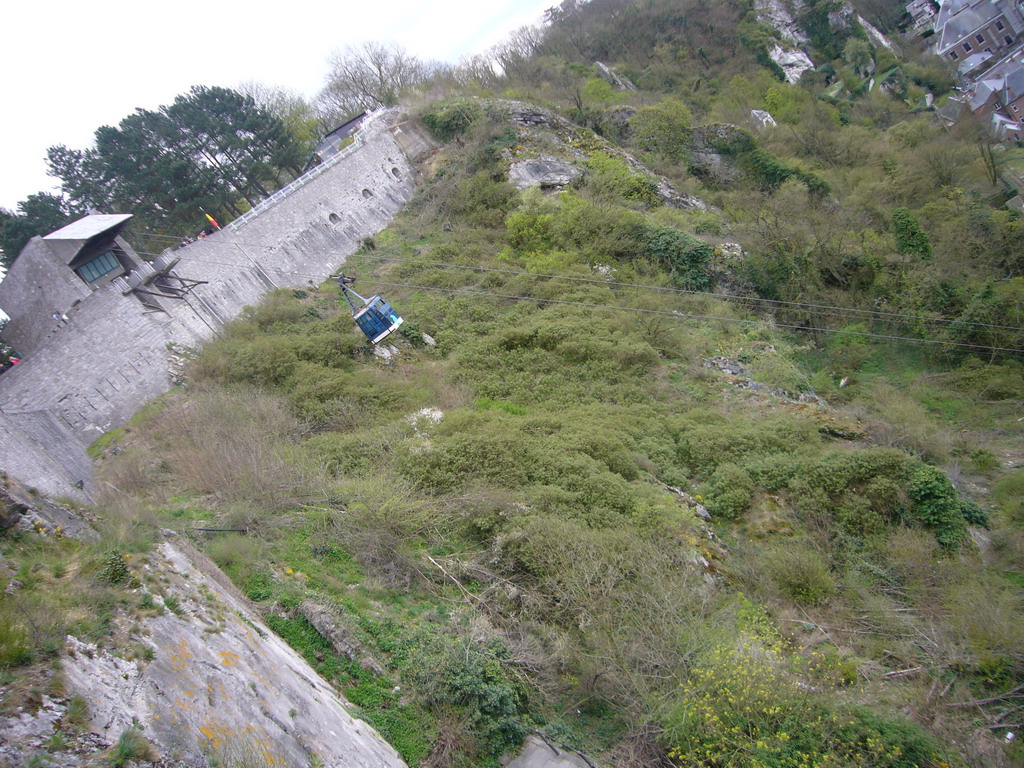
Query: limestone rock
[[609, 74], [546, 172], [219, 681], [536, 753], [782, 17], [331, 625], [793, 63], [762, 119]]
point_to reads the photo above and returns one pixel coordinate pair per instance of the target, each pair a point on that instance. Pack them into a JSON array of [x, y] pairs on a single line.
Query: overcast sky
[[71, 67]]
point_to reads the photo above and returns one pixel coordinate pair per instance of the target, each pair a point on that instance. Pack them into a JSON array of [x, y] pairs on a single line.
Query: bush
[[663, 128], [452, 118], [935, 505], [801, 573], [729, 492], [483, 202], [910, 238], [464, 673], [611, 176], [685, 256]]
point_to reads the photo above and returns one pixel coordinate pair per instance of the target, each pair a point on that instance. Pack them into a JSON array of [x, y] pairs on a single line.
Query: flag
[[211, 219]]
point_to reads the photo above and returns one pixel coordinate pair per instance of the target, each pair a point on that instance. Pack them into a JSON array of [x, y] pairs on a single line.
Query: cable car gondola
[[375, 317]]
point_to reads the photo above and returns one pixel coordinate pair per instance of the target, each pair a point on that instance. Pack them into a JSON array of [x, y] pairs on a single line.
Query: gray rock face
[[793, 63], [537, 754], [613, 77], [762, 119], [220, 683], [782, 16], [547, 172]]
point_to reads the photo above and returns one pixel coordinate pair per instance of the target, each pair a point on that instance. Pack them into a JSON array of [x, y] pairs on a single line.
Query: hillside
[[704, 452]]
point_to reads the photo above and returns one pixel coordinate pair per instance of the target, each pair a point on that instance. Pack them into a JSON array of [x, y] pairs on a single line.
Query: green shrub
[[448, 119], [729, 492], [115, 570], [910, 237], [685, 256], [469, 675], [972, 512], [935, 505], [663, 128], [482, 201], [611, 176], [860, 517], [801, 573]]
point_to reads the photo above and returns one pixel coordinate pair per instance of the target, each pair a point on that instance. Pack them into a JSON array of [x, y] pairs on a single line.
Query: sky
[[72, 67]]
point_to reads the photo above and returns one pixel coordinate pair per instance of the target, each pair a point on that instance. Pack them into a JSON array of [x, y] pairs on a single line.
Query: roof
[[1014, 85], [972, 62], [346, 125], [69, 241], [960, 18], [983, 91], [88, 226]]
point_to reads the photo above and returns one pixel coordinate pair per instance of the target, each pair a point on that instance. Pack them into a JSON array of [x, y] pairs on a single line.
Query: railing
[[304, 179]]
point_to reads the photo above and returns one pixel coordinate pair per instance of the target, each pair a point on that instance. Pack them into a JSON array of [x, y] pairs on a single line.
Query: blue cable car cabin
[[376, 318]]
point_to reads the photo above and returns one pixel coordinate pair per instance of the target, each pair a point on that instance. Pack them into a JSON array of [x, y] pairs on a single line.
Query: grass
[[131, 746]]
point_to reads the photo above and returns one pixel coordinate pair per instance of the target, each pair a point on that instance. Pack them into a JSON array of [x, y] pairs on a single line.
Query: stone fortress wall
[[113, 354]]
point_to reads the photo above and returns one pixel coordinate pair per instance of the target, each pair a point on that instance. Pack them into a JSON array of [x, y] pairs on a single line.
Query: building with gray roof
[[56, 272]]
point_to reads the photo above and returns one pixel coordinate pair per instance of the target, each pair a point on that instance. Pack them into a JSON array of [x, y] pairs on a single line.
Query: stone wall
[[113, 355]]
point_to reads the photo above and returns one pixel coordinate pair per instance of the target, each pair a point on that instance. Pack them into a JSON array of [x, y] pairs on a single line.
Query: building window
[[980, 38], [1014, 107], [967, 47], [953, 56], [1000, 26], [1009, 40], [96, 268], [997, 105]]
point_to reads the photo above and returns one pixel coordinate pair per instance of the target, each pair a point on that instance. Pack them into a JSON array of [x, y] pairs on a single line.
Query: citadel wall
[[113, 355]]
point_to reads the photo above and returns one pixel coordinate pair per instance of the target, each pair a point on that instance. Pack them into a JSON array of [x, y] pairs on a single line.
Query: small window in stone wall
[[396, 173], [367, 194], [96, 268], [334, 218]]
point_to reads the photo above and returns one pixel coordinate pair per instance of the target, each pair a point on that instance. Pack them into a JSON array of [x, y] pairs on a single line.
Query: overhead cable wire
[[693, 316], [660, 289], [673, 313]]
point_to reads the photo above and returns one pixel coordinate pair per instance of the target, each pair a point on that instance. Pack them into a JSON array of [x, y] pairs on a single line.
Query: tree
[[663, 128], [368, 76], [857, 53], [291, 108], [38, 214], [207, 149]]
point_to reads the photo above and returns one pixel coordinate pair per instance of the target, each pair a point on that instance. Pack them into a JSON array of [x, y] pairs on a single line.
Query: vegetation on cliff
[[511, 523]]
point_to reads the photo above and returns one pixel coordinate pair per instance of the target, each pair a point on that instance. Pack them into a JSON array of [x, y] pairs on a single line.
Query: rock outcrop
[[794, 63], [545, 172], [550, 153], [217, 682]]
